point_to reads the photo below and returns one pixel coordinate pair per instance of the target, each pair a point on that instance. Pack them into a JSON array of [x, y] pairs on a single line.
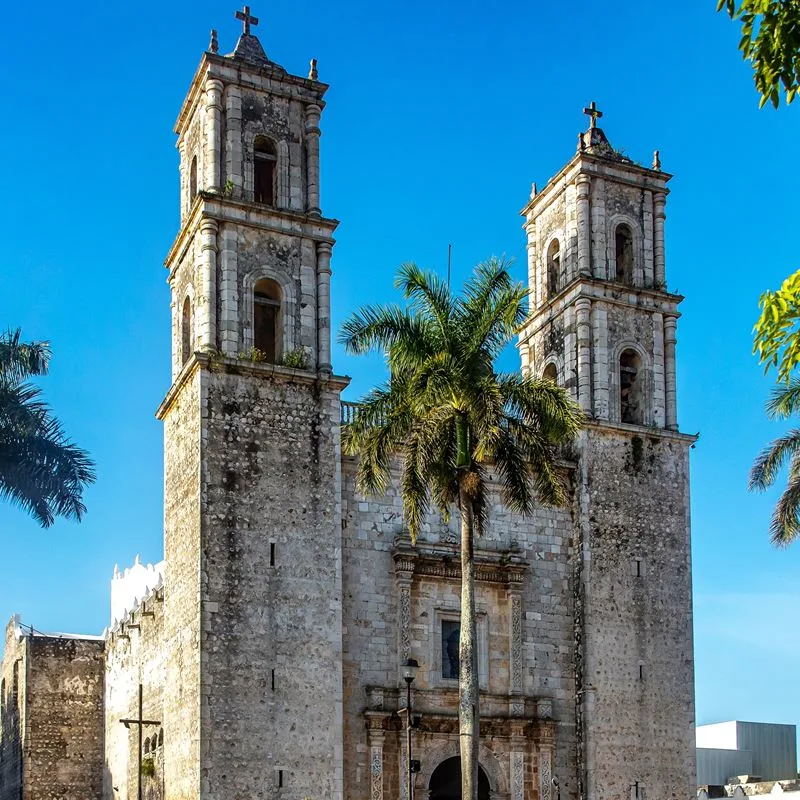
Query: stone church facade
[[268, 644]]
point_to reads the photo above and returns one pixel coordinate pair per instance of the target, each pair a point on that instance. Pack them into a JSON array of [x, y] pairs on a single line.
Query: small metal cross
[[247, 19], [593, 113], [139, 723]]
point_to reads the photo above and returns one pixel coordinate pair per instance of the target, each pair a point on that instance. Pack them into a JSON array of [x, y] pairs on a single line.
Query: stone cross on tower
[[593, 113], [246, 19]]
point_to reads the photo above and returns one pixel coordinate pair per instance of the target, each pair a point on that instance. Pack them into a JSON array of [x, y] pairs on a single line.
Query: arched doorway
[[445, 781]]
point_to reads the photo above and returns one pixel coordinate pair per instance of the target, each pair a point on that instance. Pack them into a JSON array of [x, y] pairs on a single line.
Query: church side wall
[[64, 725], [271, 643], [12, 712], [135, 655], [638, 616], [373, 649], [182, 448]]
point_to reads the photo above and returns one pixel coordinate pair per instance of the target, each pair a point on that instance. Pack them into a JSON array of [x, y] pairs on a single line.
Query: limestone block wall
[[181, 413], [54, 702], [12, 711], [374, 647], [271, 584], [135, 654], [638, 664]]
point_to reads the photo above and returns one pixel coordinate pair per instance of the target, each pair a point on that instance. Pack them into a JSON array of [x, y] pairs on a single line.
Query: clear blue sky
[[439, 116]]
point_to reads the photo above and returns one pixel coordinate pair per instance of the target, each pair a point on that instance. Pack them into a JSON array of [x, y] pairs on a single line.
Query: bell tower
[[253, 606], [602, 324]]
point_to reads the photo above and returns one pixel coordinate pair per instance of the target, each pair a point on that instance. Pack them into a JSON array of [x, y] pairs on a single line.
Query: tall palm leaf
[[451, 419], [40, 469], [785, 524]]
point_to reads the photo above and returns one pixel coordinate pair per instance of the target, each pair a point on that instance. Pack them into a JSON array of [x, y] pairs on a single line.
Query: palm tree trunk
[[468, 716]]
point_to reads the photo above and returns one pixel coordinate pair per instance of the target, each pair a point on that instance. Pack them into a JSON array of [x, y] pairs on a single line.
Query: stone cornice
[[645, 299], [442, 560], [234, 366], [627, 429], [241, 73], [208, 205], [588, 164]]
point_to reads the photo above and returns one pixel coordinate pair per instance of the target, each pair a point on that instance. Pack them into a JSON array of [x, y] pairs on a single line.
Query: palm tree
[[452, 419], [40, 469], [785, 524]]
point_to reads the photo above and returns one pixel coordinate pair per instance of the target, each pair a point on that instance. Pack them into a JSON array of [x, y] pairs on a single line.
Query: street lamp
[[409, 672]]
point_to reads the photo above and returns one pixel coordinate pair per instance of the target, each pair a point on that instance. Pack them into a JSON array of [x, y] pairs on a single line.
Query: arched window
[[186, 331], [267, 319], [631, 399], [265, 160], [624, 254], [161, 737], [146, 746], [553, 267], [193, 179], [550, 373]]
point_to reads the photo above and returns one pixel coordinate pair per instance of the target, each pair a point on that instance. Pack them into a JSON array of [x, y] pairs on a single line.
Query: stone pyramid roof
[[249, 49]]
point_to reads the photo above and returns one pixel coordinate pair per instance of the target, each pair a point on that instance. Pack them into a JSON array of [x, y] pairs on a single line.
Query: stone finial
[[533, 190], [581, 143], [213, 45], [656, 160], [312, 72]]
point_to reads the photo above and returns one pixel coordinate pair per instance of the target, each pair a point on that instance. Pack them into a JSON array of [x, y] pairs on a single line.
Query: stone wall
[[135, 654], [638, 668], [525, 634], [58, 713]]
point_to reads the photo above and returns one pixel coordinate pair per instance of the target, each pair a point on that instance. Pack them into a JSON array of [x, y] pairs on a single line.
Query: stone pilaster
[[213, 132], [207, 301], [569, 249], [598, 208], [659, 387], [375, 741], [403, 580], [600, 361], [583, 187], [570, 353], [183, 172], [583, 308], [670, 340], [647, 237], [312, 160], [525, 357], [324, 306], [659, 273], [233, 139], [515, 668], [533, 282], [229, 300]]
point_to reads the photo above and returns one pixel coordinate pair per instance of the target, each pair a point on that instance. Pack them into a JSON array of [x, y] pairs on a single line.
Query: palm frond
[[785, 523], [429, 294], [784, 400], [20, 360], [768, 464]]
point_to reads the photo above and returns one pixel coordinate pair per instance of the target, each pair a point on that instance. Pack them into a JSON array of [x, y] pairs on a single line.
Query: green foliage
[[148, 767], [771, 42], [777, 331], [40, 469], [253, 354], [785, 523], [445, 410], [296, 359]]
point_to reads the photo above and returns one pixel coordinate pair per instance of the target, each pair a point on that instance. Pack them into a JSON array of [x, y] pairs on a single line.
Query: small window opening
[[186, 331], [624, 255], [146, 745], [265, 160], [550, 373], [280, 778], [272, 554], [638, 567], [161, 737], [641, 672], [451, 630], [193, 179], [553, 267], [630, 388], [273, 680], [266, 318]]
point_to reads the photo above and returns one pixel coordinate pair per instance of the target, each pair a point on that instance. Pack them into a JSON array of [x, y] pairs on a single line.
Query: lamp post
[[409, 672]]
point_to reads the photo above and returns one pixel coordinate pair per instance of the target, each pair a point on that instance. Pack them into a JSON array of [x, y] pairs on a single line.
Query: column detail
[[213, 133], [376, 764], [324, 306], [517, 775], [599, 263], [533, 283], [207, 301], [404, 613], [183, 172], [600, 362], [229, 288], [312, 160], [583, 308], [584, 228], [233, 140], [659, 388], [647, 240], [659, 273], [516, 679], [670, 340]]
